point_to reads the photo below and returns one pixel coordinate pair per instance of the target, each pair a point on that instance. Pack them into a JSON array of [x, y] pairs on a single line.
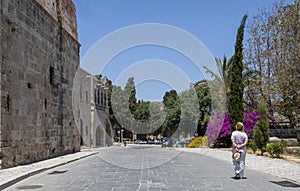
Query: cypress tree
[[261, 131], [235, 105], [131, 92]]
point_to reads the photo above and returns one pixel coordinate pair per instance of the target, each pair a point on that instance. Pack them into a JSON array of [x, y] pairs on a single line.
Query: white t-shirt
[[239, 138]]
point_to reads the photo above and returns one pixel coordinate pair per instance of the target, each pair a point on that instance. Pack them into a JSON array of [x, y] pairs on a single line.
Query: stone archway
[[100, 137], [108, 133]]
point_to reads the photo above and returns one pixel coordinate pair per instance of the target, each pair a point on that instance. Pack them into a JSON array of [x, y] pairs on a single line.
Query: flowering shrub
[[214, 127], [250, 119], [225, 130], [219, 125], [198, 142]]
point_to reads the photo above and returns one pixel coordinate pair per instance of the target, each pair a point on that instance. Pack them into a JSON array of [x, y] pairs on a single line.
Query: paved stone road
[[147, 168]]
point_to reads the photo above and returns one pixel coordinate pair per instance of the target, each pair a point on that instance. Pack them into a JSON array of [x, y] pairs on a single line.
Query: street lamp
[[122, 135]]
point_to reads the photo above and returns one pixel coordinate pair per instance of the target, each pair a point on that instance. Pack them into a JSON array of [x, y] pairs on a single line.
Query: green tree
[[148, 118], [235, 104], [172, 108], [142, 112], [204, 98], [123, 104], [189, 107], [261, 131], [112, 117], [140, 117], [157, 115], [119, 107]]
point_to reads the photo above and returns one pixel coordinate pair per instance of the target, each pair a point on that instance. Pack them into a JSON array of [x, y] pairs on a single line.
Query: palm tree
[[224, 77], [224, 68]]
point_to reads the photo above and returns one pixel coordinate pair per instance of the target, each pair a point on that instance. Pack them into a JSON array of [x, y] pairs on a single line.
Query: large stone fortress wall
[[39, 55], [63, 9]]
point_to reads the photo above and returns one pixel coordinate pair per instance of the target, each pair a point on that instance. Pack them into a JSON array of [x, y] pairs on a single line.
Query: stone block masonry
[[39, 56]]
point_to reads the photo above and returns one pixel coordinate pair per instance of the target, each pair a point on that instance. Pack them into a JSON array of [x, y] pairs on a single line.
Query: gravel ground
[[278, 167]]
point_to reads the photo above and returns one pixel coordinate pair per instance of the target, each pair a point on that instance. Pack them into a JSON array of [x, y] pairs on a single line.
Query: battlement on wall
[[64, 9]]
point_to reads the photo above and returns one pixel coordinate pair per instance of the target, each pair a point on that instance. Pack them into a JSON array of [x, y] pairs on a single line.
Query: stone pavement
[[12, 175], [279, 168]]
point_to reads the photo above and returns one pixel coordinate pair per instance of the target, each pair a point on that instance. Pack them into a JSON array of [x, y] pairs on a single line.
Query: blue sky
[[213, 22]]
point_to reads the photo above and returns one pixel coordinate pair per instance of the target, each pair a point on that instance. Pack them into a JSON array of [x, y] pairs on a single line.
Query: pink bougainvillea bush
[[250, 119], [214, 127], [219, 125]]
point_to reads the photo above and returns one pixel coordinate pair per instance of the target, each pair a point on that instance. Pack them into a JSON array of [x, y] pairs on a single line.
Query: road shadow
[[238, 178]]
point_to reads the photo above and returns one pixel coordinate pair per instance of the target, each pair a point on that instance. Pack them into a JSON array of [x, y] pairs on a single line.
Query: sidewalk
[[278, 167], [12, 175]]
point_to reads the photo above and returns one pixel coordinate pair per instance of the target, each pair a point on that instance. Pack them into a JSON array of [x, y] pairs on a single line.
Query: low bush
[[275, 149], [198, 142], [298, 152]]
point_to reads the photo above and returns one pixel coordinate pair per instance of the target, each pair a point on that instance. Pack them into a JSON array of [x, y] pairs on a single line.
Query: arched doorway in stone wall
[[108, 132], [100, 137]]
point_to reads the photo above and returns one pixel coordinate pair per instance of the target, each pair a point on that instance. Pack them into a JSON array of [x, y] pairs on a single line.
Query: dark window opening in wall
[[86, 96], [86, 130], [51, 75], [80, 93], [45, 103], [7, 102], [95, 96], [29, 85], [81, 128], [98, 93], [101, 98]]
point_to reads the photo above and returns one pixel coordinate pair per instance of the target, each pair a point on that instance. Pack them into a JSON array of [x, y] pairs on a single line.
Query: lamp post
[[122, 135]]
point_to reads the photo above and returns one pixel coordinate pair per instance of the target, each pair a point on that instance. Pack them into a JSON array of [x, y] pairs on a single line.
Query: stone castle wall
[[50, 6], [39, 56], [64, 10]]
